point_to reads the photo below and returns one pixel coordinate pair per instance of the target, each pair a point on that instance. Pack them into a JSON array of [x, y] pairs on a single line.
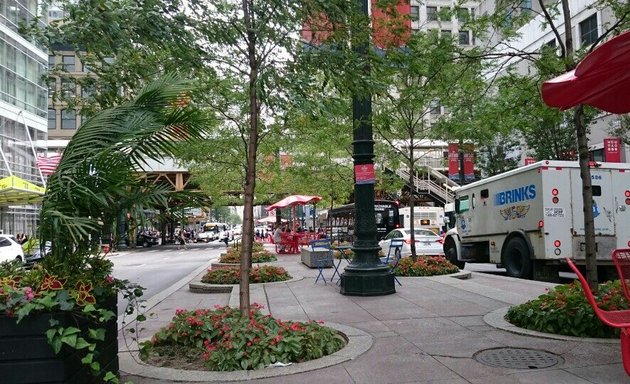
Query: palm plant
[[98, 176]]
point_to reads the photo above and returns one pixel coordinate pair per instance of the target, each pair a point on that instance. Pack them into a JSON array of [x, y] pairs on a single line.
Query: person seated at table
[[277, 238]]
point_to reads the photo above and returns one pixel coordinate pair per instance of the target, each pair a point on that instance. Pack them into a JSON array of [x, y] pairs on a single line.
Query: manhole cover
[[517, 358]]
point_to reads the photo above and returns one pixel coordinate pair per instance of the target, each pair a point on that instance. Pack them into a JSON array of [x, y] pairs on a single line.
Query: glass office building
[[23, 111]]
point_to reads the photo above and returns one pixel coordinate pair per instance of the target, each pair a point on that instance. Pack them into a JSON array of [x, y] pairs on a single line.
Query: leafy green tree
[[250, 44], [414, 81]]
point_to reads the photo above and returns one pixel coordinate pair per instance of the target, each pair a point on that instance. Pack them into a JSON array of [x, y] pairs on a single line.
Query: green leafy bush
[[264, 274], [224, 340], [564, 310], [424, 266], [233, 256]]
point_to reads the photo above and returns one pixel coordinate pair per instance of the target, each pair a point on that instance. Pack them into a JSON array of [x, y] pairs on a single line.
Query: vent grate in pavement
[[517, 358]]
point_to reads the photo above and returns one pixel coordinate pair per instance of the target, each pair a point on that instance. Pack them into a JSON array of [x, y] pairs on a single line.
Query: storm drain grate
[[517, 358]]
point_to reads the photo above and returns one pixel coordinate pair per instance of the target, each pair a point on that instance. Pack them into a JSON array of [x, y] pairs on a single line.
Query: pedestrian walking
[[182, 240]]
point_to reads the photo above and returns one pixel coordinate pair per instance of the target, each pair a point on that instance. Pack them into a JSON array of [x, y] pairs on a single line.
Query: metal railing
[[440, 190]]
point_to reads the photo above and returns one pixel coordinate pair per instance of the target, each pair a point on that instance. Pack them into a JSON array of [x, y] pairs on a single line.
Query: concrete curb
[[156, 299], [462, 275], [359, 342], [496, 319]]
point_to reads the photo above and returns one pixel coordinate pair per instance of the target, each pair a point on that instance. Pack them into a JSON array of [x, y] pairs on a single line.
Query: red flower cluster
[[227, 340]]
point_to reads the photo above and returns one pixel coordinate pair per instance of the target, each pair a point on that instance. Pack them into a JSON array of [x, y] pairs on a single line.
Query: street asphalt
[[434, 330]]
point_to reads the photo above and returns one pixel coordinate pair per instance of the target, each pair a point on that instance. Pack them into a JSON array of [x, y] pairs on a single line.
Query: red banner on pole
[[612, 150], [392, 25], [469, 162], [364, 174], [453, 161]]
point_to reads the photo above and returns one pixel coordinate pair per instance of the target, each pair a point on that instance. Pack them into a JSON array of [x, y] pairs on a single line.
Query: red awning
[[601, 80]]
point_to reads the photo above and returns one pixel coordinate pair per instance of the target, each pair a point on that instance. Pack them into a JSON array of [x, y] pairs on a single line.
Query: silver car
[[427, 242]]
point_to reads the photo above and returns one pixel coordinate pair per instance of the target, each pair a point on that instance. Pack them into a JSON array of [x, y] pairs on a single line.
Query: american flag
[[48, 164]]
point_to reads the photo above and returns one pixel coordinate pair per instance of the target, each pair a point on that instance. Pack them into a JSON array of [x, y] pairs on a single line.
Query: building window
[[588, 30], [432, 13], [414, 13], [52, 119], [87, 90], [464, 38], [68, 63], [52, 86], [436, 108], [463, 15], [51, 62], [68, 87], [68, 119], [446, 33], [445, 14]]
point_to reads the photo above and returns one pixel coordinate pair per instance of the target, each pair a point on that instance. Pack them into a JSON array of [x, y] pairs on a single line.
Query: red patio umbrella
[[292, 201], [601, 79]]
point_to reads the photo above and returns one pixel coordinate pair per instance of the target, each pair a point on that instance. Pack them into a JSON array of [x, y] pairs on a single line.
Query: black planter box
[[26, 356]]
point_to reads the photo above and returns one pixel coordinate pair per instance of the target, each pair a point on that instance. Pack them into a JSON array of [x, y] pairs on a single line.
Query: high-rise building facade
[[23, 110]]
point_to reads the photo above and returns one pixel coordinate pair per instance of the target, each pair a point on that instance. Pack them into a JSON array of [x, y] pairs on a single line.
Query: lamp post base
[[377, 281]]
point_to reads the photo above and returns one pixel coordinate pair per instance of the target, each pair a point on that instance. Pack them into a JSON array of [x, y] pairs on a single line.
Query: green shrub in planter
[[424, 266], [264, 274], [233, 256], [564, 310]]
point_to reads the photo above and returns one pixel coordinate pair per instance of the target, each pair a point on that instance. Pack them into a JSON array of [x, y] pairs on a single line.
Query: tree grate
[[517, 358]]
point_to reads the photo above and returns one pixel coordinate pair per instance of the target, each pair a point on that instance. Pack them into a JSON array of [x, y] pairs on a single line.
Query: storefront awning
[[16, 191]]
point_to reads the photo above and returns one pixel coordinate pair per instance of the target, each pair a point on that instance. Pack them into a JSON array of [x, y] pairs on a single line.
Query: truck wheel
[[516, 259], [450, 251]]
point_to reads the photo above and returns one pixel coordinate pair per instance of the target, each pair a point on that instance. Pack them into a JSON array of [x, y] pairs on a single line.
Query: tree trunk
[[412, 203], [587, 197], [250, 172]]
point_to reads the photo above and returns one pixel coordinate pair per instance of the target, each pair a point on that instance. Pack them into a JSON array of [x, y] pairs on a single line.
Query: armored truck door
[[603, 202]]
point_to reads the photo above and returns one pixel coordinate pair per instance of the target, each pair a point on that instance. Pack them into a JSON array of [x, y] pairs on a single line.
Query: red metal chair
[[621, 258], [616, 319]]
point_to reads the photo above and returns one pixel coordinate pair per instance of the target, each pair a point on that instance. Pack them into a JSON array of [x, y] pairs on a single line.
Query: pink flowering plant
[[564, 310], [424, 266], [224, 340]]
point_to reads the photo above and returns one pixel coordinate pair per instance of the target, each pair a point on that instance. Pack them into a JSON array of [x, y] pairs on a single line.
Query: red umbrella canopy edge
[[601, 79], [293, 200]]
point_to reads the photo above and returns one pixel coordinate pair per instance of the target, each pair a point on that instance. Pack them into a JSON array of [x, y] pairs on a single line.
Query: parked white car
[[10, 249], [427, 242]]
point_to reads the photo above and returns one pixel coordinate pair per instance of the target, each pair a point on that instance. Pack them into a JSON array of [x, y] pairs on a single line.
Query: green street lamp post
[[365, 275]]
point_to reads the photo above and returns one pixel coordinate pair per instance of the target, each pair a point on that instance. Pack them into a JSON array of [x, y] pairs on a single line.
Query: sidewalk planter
[[26, 356], [312, 259], [224, 265]]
